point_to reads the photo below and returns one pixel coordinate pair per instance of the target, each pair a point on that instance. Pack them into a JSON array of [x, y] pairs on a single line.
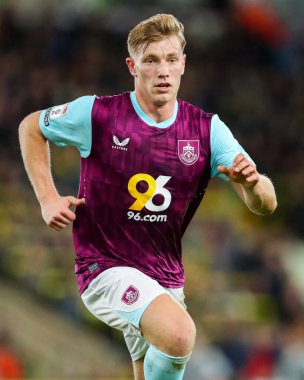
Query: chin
[[162, 99]]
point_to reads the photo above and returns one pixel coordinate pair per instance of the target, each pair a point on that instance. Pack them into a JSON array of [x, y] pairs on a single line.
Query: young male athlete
[[146, 162]]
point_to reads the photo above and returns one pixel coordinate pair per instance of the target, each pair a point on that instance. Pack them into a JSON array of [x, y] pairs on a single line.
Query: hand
[[242, 171], [57, 212]]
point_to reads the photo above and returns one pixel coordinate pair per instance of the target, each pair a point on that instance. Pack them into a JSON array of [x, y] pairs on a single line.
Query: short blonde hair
[[154, 29]]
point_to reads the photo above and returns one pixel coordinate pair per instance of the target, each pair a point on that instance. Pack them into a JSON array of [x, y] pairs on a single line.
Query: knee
[[181, 338]]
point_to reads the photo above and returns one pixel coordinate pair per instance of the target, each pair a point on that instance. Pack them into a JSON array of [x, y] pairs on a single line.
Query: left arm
[[256, 190]]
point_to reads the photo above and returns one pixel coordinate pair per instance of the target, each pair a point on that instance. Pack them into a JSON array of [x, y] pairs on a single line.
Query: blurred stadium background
[[244, 274]]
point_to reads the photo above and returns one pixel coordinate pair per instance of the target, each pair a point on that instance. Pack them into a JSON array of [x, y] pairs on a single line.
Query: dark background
[[244, 282]]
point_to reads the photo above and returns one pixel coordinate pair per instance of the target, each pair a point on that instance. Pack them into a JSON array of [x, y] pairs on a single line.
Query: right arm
[[230, 162], [55, 209]]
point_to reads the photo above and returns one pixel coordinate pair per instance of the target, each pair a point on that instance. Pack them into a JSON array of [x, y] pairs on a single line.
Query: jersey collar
[[147, 119]]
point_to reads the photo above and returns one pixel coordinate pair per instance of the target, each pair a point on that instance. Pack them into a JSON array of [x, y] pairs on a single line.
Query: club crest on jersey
[[130, 295], [188, 151], [120, 145]]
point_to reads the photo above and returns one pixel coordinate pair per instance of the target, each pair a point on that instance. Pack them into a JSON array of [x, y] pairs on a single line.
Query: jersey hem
[[83, 285]]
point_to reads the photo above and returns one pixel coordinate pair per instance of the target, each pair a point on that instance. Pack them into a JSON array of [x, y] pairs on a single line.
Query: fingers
[[75, 201], [238, 159], [223, 170], [58, 226], [240, 163], [242, 171], [66, 217], [252, 180], [57, 213], [61, 220]]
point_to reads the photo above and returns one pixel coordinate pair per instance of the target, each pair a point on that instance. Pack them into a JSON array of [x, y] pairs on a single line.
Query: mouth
[[163, 87]]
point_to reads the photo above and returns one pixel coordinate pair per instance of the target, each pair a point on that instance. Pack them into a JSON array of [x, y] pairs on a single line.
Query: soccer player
[[146, 160]]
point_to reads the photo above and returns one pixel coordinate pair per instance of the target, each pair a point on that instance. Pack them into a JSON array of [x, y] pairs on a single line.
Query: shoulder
[[109, 106], [220, 130], [112, 99], [195, 110], [81, 104]]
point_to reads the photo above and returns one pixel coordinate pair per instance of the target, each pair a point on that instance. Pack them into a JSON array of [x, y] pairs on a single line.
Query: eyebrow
[[150, 55]]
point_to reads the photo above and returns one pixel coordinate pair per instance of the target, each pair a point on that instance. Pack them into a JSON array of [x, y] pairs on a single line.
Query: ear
[[131, 66], [184, 63]]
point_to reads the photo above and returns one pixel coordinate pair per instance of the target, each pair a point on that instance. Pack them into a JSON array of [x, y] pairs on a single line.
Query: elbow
[[24, 126], [23, 130], [272, 203], [29, 126], [268, 208], [273, 206], [267, 198]]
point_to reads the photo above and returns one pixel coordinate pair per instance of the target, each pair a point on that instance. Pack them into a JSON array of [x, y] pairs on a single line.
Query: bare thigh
[[168, 326]]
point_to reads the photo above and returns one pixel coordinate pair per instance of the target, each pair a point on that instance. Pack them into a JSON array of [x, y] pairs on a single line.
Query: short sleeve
[[224, 147], [70, 124]]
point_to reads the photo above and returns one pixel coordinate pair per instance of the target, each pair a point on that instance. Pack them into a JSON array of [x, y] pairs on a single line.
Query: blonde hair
[[154, 29]]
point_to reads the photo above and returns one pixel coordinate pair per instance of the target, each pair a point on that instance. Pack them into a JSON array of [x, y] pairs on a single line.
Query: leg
[[137, 347], [168, 327], [171, 332], [162, 320], [138, 369]]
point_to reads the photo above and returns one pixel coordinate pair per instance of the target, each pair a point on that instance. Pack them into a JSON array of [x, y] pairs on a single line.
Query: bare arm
[[255, 190], [36, 157]]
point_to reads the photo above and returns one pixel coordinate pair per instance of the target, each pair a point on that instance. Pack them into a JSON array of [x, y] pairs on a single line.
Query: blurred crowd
[[11, 366], [244, 62]]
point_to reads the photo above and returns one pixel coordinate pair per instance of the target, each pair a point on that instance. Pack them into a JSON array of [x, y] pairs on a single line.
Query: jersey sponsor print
[[142, 185], [144, 199], [142, 180]]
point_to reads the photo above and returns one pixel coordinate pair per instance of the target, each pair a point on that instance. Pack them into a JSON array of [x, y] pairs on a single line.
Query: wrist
[[46, 198]]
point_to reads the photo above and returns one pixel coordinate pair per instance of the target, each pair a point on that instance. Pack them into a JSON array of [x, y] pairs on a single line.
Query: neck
[[156, 111]]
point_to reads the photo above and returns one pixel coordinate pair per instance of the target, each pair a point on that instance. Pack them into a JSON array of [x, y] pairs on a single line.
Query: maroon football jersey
[[142, 186]]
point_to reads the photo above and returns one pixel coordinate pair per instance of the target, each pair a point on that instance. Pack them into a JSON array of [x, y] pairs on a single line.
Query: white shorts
[[119, 296]]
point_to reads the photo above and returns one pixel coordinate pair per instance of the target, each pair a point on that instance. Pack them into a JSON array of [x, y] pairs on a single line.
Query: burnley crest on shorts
[[130, 295], [188, 151]]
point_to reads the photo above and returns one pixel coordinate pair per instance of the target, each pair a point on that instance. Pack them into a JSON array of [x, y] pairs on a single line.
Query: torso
[[142, 185]]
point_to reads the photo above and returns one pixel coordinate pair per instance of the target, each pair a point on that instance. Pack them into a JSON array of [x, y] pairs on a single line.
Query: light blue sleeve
[[224, 147], [70, 124]]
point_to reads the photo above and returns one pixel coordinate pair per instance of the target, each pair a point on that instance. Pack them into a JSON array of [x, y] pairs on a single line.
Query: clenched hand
[[57, 212]]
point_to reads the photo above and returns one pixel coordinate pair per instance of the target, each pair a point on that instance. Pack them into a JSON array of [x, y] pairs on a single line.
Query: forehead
[[169, 45]]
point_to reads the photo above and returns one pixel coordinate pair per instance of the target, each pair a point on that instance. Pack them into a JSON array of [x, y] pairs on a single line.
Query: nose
[[163, 70]]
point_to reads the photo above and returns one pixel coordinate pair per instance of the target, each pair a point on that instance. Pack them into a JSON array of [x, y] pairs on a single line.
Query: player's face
[[157, 71]]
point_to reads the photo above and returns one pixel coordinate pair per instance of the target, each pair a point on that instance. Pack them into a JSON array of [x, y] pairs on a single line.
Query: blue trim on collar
[[147, 119]]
